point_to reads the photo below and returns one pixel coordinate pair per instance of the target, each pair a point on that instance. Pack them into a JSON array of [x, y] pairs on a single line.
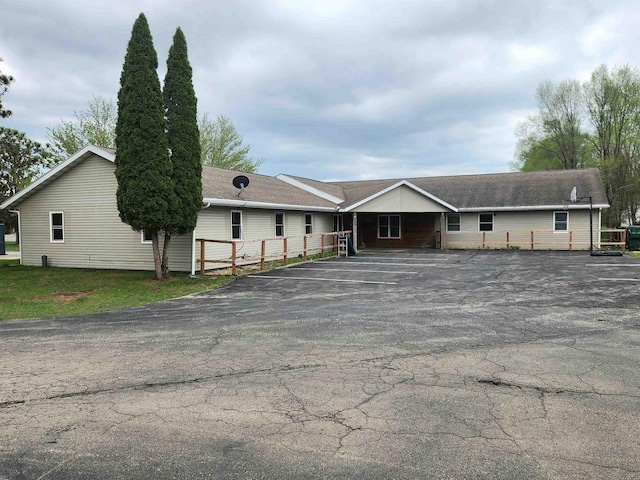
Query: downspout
[[193, 245], [17, 212]]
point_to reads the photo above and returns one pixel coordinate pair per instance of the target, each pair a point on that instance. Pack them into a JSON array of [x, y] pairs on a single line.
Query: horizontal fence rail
[[249, 252], [537, 239]]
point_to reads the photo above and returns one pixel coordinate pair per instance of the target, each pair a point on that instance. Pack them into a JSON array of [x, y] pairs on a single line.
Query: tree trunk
[[156, 255], [165, 255]]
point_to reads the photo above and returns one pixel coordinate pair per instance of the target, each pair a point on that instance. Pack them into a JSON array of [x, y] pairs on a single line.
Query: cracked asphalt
[[496, 365]]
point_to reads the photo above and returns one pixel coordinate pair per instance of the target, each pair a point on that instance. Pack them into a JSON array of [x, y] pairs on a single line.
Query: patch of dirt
[[67, 297]]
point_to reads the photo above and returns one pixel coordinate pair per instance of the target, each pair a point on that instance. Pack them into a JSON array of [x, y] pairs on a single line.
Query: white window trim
[[389, 215], [275, 218], [143, 241], [308, 224], [51, 240], [446, 223], [554, 222], [492, 222], [241, 229]]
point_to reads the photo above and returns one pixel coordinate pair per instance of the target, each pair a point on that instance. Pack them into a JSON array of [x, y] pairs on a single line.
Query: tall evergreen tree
[[180, 105], [145, 195]]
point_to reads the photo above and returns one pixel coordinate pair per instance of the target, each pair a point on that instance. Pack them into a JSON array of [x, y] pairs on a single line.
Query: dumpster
[[3, 248], [633, 237]]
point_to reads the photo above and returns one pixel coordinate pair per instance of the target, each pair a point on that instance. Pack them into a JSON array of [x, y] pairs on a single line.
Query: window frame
[[239, 225], [459, 224], [281, 225], [338, 222], [308, 225], [58, 227], [480, 222], [555, 222], [143, 240], [388, 217]]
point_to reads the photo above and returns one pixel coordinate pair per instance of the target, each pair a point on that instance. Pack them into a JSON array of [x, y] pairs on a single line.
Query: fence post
[[531, 239], [202, 257], [507, 240], [570, 240], [322, 245], [263, 249], [304, 248], [484, 239], [233, 258], [285, 251], [624, 239]]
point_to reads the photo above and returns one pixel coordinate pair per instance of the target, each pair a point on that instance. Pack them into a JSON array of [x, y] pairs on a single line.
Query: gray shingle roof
[[217, 184], [498, 190]]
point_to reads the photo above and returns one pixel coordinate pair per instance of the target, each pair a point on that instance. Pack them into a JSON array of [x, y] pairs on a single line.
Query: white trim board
[[393, 187]]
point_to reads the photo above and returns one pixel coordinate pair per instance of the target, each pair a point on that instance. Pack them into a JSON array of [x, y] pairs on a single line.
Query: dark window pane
[[58, 234], [235, 218], [486, 227], [56, 219], [395, 221], [279, 231], [279, 218], [395, 231], [235, 232]]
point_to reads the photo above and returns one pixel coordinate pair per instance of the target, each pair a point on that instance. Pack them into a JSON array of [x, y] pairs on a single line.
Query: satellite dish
[[574, 194], [241, 182]]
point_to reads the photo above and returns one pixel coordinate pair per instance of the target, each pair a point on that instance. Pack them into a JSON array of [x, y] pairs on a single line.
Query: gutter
[[572, 206], [217, 202]]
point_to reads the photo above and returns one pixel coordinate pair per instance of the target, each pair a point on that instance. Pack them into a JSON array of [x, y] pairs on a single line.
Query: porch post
[[442, 230], [355, 231]]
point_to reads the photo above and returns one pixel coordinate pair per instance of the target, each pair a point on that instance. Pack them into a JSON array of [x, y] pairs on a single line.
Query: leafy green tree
[[222, 145], [145, 195], [5, 81], [554, 138], [95, 125], [21, 161], [613, 104], [180, 105]]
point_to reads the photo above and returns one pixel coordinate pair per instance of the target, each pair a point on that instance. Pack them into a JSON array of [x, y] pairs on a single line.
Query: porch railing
[[267, 249], [536, 239]]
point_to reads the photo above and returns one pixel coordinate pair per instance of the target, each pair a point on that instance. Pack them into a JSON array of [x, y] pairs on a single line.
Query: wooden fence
[[328, 243], [538, 239]]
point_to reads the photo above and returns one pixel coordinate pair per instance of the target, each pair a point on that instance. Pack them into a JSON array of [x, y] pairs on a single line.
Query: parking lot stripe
[[398, 258], [351, 270], [322, 279], [612, 264], [404, 264], [619, 279]]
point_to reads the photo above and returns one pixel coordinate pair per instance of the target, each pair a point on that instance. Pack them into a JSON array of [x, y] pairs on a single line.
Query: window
[[145, 236], [485, 222], [338, 223], [453, 222], [236, 225], [560, 221], [308, 223], [279, 224], [56, 223], [389, 226]]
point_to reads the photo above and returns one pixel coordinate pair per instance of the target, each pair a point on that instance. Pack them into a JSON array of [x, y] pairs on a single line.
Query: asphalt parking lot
[[391, 364]]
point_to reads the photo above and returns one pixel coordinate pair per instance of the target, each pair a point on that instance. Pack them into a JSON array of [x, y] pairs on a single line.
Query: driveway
[[391, 364]]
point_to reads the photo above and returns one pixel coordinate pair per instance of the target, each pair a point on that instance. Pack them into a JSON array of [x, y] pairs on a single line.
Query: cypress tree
[[180, 105], [145, 195]]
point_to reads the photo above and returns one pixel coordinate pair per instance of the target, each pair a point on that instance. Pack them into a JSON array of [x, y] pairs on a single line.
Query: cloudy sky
[[330, 89]]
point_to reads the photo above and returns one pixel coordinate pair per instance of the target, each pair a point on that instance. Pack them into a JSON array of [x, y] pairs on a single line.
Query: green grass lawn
[[33, 292], [635, 254], [11, 247]]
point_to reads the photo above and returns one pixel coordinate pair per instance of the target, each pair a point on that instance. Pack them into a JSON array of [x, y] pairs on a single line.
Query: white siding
[[94, 235], [401, 199], [214, 223], [520, 225]]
